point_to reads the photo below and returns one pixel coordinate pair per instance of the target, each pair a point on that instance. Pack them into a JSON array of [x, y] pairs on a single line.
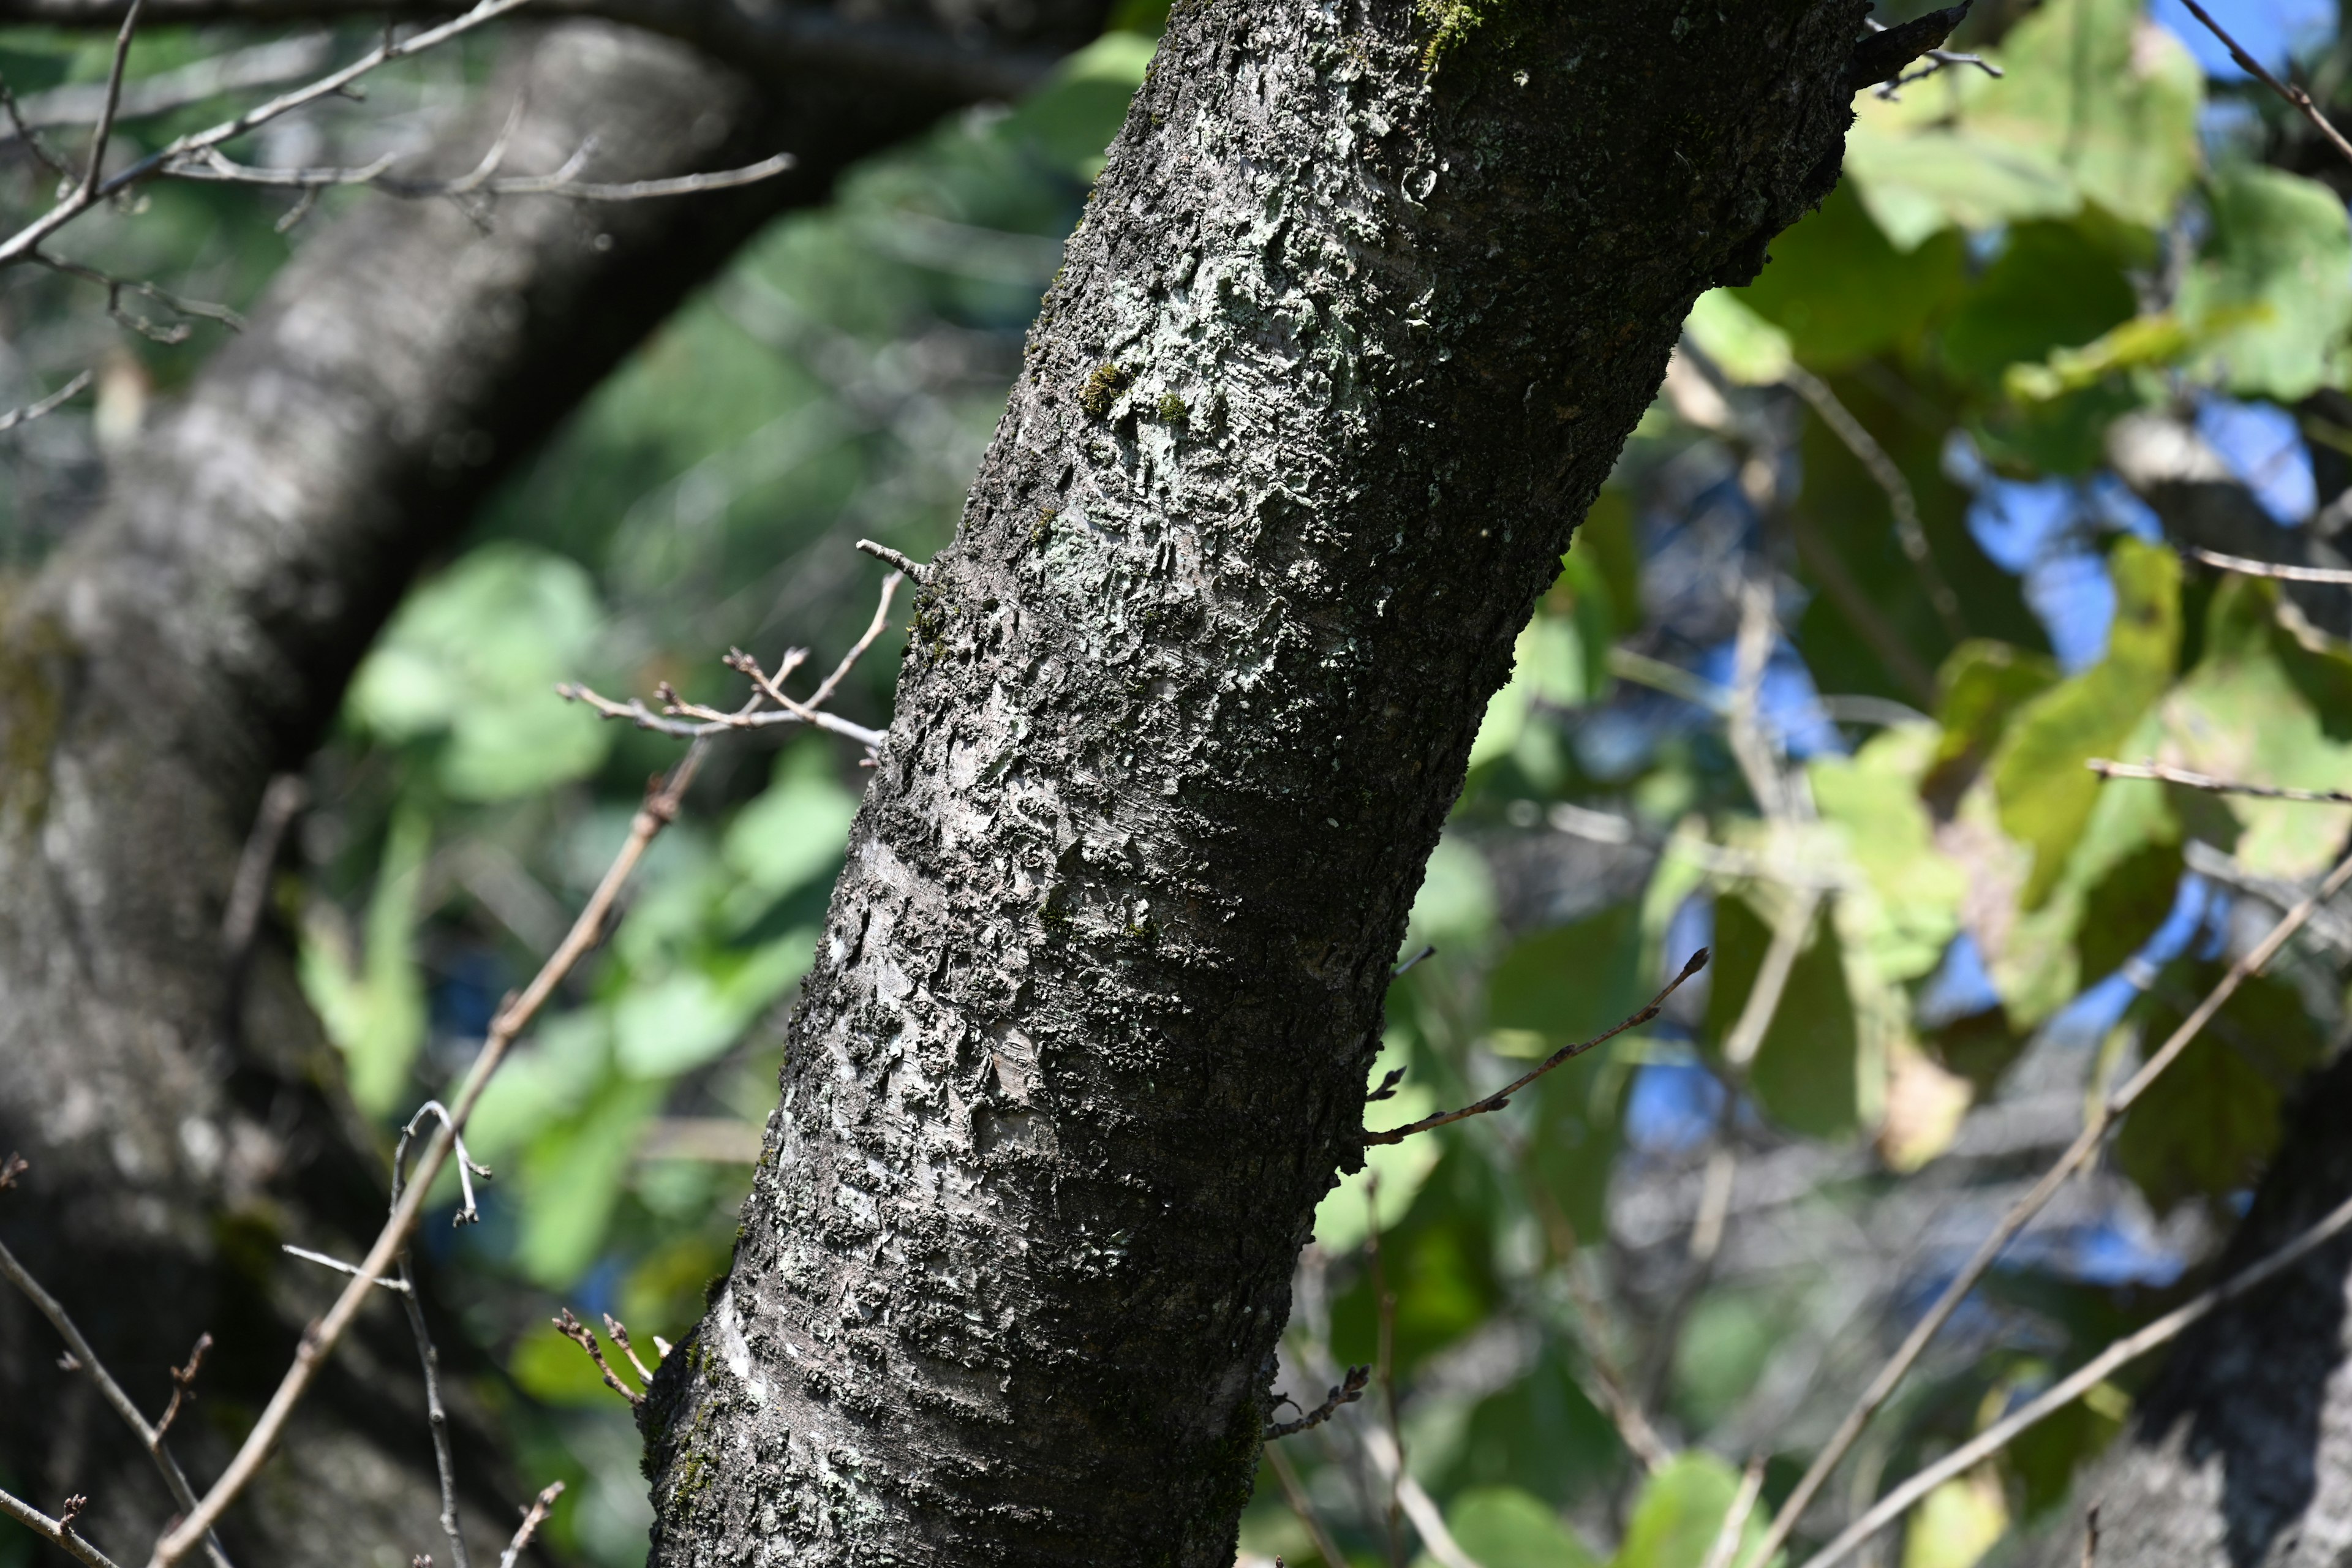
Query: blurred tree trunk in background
[[1366, 304], [194, 639]]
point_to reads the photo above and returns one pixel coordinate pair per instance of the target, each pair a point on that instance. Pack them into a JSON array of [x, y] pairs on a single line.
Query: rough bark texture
[[2240, 1452], [1365, 305], [193, 640]]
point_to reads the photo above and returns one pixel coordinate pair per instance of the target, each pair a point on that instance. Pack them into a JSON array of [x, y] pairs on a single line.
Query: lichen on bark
[[1086, 1035]]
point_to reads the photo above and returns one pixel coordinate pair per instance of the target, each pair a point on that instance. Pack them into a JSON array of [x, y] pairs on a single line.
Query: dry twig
[[1908, 530], [2293, 95], [184, 1384], [2021, 1213], [2183, 776], [1502, 1097], [530, 1524], [1349, 1391], [2245, 566], [621, 1336], [59, 1532], [32, 411], [580, 1335]]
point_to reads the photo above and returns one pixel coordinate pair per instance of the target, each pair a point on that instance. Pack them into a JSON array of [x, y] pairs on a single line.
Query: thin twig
[[1502, 1097], [184, 1384], [16, 118], [620, 1338], [32, 411], [2245, 566], [337, 1264], [1734, 1520], [468, 1167], [874, 628], [660, 808], [104, 132], [2164, 775], [85, 1359], [437, 1418], [914, 568], [209, 167], [2165, 1329], [2256, 69], [1347, 1393], [530, 1523], [580, 1335], [1908, 530], [1303, 1507], [57, 1532], [2085, 1144]]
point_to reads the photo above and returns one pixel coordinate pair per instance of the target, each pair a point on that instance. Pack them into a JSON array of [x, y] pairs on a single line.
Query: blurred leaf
[[2245, 713], [2046, 1456], [2053, 286], [1908, 908], [1503, 1527], [1072, 119], [571, 1176], [794, 830], [2209, 1125], [2127, 905], [548, 1079], [1539, 1435], [1924, 1104], [1605, 538], [1680, 1511], [474, 654], [1842, 292], [1957, 1523], [1743, 345], [553, 1370], [1807, 1074], [1723, 1350], [1982, 684], [1456, 903], [372, 1003], [677, 1024], [1397, 1170], [2045, 790], [1570, 982], [2273, 290]]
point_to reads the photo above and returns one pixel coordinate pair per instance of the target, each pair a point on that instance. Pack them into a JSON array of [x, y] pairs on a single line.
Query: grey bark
[[2240, 1454], [192, 641], [1365, 305]]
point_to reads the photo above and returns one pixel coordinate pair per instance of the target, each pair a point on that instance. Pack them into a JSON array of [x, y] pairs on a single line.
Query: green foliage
[[2271, 296], [1680, 1511], [1807, 1075], [1501, 1527], [1842, 292]]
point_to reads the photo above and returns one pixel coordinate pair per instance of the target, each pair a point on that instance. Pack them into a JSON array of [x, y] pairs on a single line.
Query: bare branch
[[104, 134], [2245, 567], [183, 1384], [1735, 1518], [165, 92], [1350, 1391], [41, 149], [530, 1523], [1502, 1097], [337, 1264], [612, 1326], [580, 1335], [2085, 1144], [117, 287], [874, 628], [2164, 775], [57, 1532], [2165, 1329], [211, 166], [913, 568], [468, 1167], [436, 1417], [32, 411], [2253, 67], [85, 1359], [1295, 1493]]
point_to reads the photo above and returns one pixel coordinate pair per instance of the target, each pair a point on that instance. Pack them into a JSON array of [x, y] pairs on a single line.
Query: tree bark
[[193, 640], [1365, 305], [2240, 1454]]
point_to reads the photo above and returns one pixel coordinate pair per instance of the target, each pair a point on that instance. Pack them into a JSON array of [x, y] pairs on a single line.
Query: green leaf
[[2127, 905], [677, 1024], [2045, 790], [1982, 684], [2246, 712], [1392, 1173], [1957, 1523], [1456, 905], [1743, 345], [794, 830], [1843, 293], [571, 1176], [2054, 286], [1605, 538], [1503, 1527], [1071, 120], [1908, 908], [2209, 1124], [1680, 1511], [372, 1003], [1807, 1074], [474, 655], [1570, 982], [2273, 290]]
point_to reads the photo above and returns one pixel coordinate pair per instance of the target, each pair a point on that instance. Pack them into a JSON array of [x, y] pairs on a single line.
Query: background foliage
[[1741, 718]]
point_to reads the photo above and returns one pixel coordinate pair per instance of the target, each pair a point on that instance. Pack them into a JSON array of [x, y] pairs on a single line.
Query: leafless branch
[[663, 799], [468, 1167], [85, 1359], [104, 132], [2245, 567], [211, 166], [1502, 1097], [184, 1384], [1349, 1391], [2296, 95], [580, 1335], [337, 1264], [913, 568], [57, 1532], [620, 1333], [2165, 1329], [166, 92], [1735, 1518], [117, 287], [1302, 1506], [2085, 1144], [530, 1524], [436, 1417], [32, 411], [1908, 530], [2183, 776], [41, 149]]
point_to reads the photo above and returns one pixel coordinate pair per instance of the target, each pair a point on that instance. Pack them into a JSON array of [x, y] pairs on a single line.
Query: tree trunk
[[2240, 1454], [1366, 303], [194, 639]]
